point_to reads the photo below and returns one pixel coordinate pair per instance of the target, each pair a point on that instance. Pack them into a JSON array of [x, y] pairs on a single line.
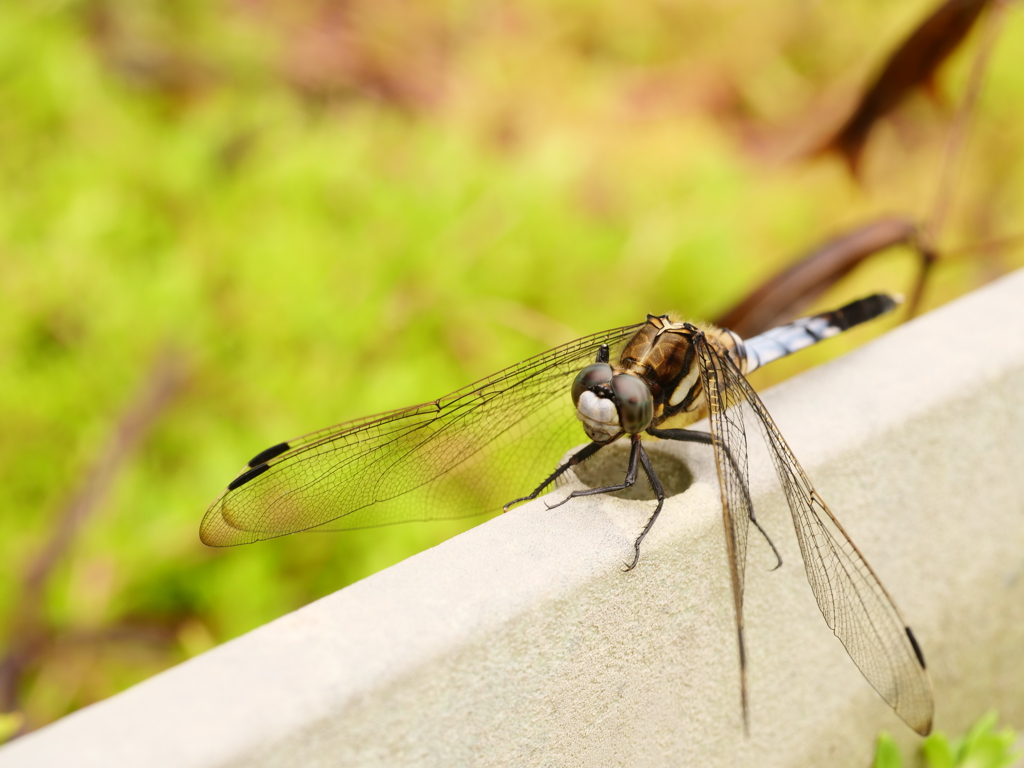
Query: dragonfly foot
[[626, 567], [512, 503], [552, 506]]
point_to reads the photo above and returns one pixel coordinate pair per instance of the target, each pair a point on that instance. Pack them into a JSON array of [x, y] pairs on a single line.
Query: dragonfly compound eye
[[590, 378], [636, 406]]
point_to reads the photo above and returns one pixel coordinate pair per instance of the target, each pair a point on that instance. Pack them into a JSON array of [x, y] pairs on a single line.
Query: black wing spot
[[917, 648], [266, 455], [248, 475]]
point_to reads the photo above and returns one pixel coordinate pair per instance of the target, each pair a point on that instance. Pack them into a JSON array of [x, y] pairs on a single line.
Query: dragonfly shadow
[[608, 467]]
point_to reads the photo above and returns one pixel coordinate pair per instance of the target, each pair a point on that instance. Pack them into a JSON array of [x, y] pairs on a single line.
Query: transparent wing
[[464, 454], [730, 444], [851, 598]]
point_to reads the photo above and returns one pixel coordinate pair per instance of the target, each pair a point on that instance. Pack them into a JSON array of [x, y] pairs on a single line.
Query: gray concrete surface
[[522, 642]]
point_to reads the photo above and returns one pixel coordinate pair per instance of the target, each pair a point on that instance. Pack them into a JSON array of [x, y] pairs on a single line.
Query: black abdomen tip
[[879, 304], [248, 475], [266, 455], [862, 310]]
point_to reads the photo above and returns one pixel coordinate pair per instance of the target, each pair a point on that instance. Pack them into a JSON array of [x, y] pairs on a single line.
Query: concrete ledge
[[522, 642]]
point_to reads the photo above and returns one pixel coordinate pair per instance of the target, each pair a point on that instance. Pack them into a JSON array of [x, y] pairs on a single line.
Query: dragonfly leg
[[692, 436], [631, 474], [683, 435], [659, 492], [584, 453]]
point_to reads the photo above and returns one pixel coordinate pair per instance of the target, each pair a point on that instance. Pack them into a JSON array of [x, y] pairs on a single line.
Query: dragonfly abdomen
[[807, 331]]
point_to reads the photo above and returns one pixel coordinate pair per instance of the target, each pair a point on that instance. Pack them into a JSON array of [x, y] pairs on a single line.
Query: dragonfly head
[[610, 403]]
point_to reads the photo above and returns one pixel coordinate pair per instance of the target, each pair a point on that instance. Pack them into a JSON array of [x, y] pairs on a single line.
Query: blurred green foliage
[[982, 747], [328, 211], [9, 725]]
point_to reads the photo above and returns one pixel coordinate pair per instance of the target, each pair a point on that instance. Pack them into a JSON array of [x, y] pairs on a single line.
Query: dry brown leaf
[[912, 65]]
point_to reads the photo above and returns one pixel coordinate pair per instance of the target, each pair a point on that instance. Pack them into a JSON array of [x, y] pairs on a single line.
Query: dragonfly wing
[[730, 444], [464, 454], [851, 598]]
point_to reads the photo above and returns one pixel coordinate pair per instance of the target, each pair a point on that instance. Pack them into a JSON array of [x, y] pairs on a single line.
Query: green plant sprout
[[982, 747]]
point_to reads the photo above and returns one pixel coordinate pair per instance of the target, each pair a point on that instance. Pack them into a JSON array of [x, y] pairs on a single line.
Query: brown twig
[[29, 633], [782, 297], [986, 246]]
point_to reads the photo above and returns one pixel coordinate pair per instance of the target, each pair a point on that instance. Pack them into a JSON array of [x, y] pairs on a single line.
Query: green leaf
[[982, 747], [937, 751], [887, 754], [10, 722]]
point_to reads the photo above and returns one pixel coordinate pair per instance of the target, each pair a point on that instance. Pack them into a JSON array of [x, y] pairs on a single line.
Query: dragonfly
[[471, 451]]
